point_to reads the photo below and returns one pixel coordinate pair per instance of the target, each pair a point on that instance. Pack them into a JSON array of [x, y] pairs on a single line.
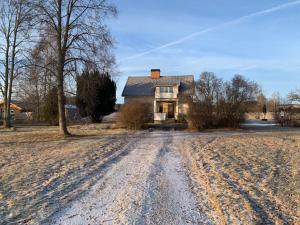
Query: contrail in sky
[[207, 30]]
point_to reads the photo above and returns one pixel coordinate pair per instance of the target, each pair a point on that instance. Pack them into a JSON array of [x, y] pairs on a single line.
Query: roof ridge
[[144, 85], [187, 75]]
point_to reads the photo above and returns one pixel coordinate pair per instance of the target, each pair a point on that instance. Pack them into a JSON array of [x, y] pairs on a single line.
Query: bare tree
[[37, 79], [261, 102], [221, 104], [15, 19], [80, 35], [208, 87], [208, 91], [238, 93], [294, 95], [274, 102]]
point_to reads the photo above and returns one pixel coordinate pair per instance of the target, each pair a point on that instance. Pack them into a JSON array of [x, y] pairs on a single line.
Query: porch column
[[176, 110], [154, 109]]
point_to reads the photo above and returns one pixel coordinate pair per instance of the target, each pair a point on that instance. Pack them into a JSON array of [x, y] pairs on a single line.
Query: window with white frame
[[167, 89]]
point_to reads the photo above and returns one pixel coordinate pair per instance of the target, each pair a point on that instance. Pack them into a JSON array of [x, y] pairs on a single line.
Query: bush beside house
[[134, 115]]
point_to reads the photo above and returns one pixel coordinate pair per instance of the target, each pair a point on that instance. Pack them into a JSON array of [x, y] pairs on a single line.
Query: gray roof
[[145, 85]]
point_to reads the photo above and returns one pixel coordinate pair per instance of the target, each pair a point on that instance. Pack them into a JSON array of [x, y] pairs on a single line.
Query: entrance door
[[165, 107], [170, 110]]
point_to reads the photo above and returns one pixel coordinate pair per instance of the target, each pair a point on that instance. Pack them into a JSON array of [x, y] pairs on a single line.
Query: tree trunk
[[11, 76], [6, 120], [12, 69], [61, 102], [9, 100], [60, 75]]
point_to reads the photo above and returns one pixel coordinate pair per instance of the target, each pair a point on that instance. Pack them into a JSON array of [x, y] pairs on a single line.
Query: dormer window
[[166, 89]]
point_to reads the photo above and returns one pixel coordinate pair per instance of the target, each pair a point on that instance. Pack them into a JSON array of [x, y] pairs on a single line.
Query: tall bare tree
[[80, 35], [274, 102], [15, 21], [38, 77], [294, 95], [239, 92], [208, 90]]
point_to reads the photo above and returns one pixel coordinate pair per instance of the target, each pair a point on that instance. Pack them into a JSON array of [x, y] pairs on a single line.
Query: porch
[[165, 110]]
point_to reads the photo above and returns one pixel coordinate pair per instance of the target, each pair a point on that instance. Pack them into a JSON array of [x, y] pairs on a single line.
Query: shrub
[[200, 116], [195, 116], [134, 115], [181, 118]]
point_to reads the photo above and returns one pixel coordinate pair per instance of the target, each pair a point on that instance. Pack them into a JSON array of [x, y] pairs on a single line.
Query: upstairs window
[[166, 89]]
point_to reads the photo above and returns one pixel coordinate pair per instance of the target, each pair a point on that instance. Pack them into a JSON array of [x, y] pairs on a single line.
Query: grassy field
[[238, 177], [248, 179], [40, 172]]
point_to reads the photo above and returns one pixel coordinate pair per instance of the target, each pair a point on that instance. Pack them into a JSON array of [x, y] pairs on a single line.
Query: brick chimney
[[155, 73]]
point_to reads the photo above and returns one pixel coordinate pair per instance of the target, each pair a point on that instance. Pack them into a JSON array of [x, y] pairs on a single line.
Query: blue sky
[[259, 39]]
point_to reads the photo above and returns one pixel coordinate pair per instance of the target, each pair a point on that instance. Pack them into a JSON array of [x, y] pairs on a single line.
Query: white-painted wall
[[173, 95]]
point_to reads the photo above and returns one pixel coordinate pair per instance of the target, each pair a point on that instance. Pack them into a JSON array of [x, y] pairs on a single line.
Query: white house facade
[[167, 94]]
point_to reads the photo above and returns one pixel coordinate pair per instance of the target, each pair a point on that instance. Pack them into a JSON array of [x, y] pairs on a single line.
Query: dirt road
[[118, 177], [148, 186]]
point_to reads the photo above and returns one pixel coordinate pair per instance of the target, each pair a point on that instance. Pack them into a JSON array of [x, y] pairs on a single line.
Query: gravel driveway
[[182, 177], [148, 186]]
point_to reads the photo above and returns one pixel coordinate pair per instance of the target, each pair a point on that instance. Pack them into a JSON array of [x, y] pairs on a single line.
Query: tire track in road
[[116, 197], [149, 185], [169, 199]]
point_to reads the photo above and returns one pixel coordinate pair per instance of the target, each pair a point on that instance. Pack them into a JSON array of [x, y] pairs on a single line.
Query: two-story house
[[167, 94]]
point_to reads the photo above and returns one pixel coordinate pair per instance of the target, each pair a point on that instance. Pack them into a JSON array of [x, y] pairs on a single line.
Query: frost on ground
[[149, 186], [41, 173], [247, 179], [106, 176]]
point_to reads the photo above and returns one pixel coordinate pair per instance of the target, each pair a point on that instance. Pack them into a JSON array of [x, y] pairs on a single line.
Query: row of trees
[[224, 104], [219, 103], [46, 45]]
